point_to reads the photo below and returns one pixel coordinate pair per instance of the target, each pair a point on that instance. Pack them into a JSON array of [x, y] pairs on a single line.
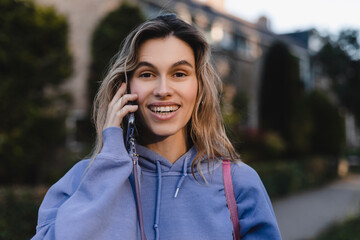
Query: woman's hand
[[118, 107]]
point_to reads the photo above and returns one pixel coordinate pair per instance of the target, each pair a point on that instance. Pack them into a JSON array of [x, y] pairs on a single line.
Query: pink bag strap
[[230, 198]]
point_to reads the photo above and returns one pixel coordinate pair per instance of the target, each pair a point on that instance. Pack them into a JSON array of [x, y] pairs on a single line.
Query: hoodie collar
[[148, 159]]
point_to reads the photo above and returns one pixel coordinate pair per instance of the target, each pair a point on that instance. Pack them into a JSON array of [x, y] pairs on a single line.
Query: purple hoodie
[[98, 202]]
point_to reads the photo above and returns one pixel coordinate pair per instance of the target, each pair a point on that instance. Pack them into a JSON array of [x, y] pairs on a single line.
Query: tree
[[340, 62], [328, 134], [282, 99], [106, 40], [349, 41], [34, 62]]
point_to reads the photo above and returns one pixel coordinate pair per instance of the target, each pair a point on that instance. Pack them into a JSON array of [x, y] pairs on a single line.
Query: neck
[[171, 147]]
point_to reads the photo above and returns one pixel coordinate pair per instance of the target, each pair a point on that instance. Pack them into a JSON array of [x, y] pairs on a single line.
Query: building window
[[243, 46], [217, 33], [228, 41]]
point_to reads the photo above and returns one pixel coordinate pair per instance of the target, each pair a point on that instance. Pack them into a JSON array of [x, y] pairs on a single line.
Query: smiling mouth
[[164, 109]]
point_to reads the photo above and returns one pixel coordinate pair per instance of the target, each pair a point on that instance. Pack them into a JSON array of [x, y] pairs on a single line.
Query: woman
[[164, 70]]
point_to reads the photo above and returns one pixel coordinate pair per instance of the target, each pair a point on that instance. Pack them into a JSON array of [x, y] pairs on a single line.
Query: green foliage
[[240, 104], [282, 100], [328, 134], [282, 178], [274, 145], [18, 213], [106, 40], [334, 62], [340, 62], [349, 41], [255, 145], [347, 230], [235, 115], [34, 61], [349, 91]]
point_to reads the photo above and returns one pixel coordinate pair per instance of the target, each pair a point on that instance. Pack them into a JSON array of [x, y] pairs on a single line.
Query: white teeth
[[164, 109]]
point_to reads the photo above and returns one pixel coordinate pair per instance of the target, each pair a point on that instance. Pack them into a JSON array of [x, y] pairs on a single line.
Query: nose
[[163, 88]]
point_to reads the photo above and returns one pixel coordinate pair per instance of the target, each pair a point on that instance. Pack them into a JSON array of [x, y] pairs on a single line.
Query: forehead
[[165, 50]]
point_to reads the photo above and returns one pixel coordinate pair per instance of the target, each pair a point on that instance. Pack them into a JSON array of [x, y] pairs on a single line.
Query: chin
[[163, 132], [166, 130]]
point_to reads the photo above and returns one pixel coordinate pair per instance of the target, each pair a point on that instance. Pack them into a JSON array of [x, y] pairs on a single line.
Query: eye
[[146, 75], [179, 74]]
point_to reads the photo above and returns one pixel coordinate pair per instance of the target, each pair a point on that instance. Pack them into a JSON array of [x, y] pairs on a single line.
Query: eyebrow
[[182, 62], [147, 64]]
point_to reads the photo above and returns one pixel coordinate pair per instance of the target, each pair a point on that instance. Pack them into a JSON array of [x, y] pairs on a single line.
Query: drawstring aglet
[[176, 192]]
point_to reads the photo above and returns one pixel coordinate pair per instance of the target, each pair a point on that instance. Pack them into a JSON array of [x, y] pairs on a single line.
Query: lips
[[164, 108]]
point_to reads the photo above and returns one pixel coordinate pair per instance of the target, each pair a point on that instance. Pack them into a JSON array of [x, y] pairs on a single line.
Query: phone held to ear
[[130, 141], [130, 132]]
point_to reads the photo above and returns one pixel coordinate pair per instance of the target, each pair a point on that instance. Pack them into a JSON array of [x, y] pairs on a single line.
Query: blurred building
[[238, 46]]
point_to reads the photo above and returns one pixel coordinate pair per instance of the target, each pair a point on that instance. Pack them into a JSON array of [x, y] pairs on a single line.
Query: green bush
[[18, 213], [255, 145], [34, 62], [339, 60], [328, 134], [282, 178], [348, 230]]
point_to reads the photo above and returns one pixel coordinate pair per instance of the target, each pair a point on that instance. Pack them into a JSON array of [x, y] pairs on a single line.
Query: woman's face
[[166, 84]]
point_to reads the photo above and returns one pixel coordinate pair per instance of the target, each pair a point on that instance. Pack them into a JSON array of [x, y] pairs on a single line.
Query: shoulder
[[256, 214], [246, 180], [60, 192], [242, 172], [76, 172], [71, 180]]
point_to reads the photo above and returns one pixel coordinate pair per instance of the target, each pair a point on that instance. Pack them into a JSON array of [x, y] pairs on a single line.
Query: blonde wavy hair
[[206, 129]]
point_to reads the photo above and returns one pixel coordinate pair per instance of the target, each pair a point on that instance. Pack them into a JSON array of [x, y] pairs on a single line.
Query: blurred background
[[291, 99]]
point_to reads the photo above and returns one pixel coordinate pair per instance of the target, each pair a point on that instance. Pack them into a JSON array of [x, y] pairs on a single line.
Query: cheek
[[133, 86], [137, 89], [191, 93]]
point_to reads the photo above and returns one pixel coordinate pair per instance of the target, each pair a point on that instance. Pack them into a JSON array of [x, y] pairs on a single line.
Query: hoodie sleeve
[[93, 203], [256, 215]]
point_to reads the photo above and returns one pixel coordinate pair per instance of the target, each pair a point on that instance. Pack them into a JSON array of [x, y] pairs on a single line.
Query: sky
[[327, 16]]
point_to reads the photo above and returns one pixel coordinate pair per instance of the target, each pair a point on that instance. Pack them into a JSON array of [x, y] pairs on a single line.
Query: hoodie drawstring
[[158, 197], [181, 180], [158, 193]]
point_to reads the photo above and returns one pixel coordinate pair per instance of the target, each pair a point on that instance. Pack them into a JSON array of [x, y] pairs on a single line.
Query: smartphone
[[130, 129], [130, 118]]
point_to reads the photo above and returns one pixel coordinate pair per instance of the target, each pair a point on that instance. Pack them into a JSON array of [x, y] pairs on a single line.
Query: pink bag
[[230, 198]]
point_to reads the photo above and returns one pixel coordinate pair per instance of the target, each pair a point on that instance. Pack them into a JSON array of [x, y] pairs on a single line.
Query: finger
[[125, 110], [119, 93], [124, 100], [115, 108], [116, 119]]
